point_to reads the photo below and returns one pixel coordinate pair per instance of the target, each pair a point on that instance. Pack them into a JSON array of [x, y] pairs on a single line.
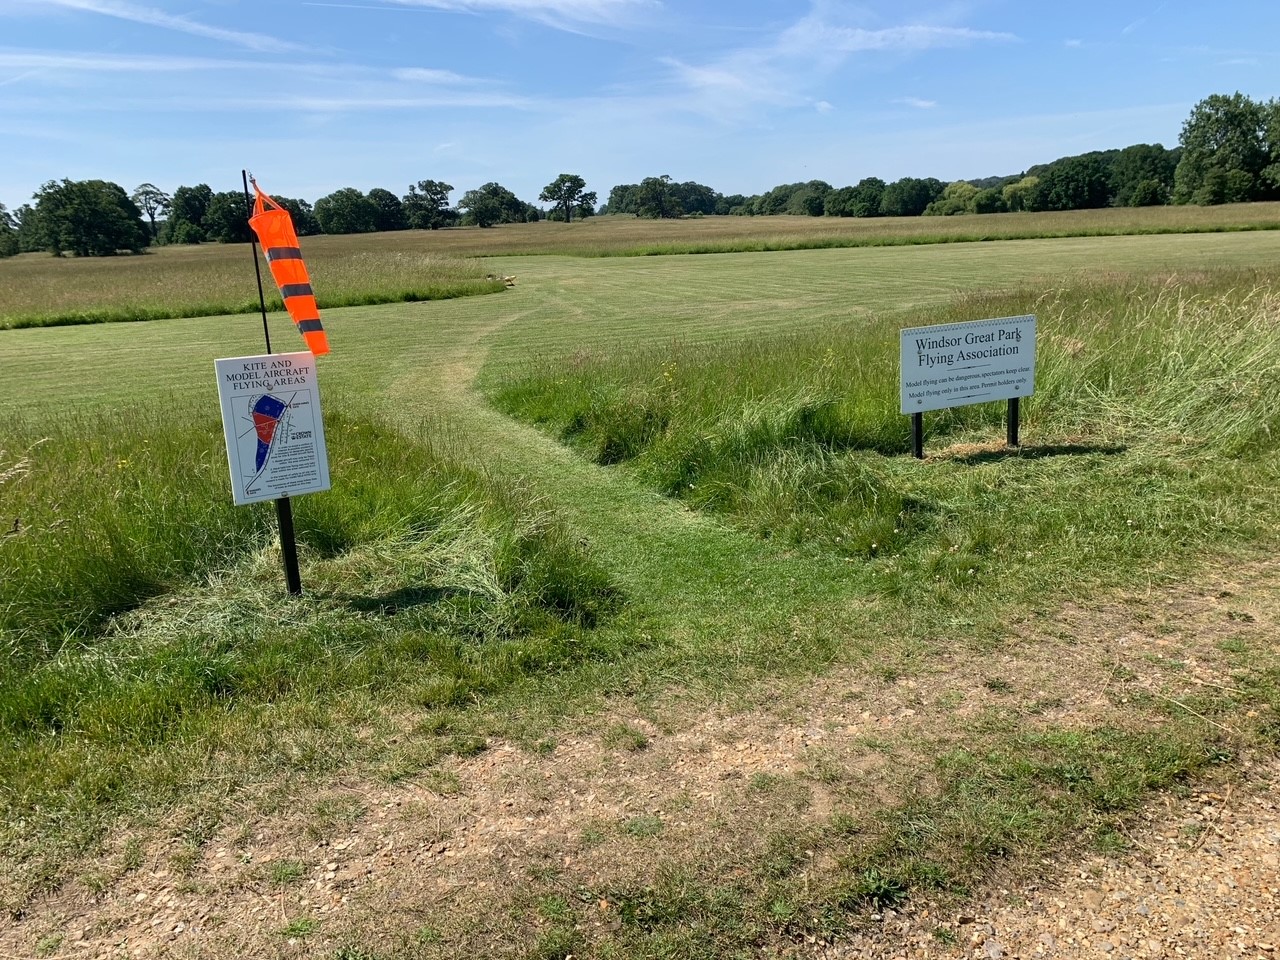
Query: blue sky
[[313, 95]]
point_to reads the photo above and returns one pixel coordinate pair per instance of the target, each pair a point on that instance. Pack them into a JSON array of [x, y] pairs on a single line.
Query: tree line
[[1228, 152]]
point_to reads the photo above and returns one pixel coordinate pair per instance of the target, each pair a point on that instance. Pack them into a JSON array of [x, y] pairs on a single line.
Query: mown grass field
[[474, 582], [38, 290]]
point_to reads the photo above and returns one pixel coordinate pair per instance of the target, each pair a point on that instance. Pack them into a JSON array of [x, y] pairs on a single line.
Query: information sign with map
[[272, 423]]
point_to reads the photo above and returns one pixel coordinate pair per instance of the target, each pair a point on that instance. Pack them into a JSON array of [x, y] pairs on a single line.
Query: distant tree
[[1141, 163], [480, 209], [90, 218], [989, 200], [622, 199], [696, 198], [346, 211], [390, 215], [567, 192], [775, 201], [30, 233], [956, 199], [656, 199], [1148, 193], [227, 219], [492, 203], [1021, 195], [1271, 136], [151, 200], [839, 202], [1225, 135], [867, 197], [187, 209], [304, 219], [808, 199], [909, 197], [1074, 183], [734, 203], [426, 205], [8, 233]]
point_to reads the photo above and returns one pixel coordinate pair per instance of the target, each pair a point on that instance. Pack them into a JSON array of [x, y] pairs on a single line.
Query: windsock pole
[[284, 510]]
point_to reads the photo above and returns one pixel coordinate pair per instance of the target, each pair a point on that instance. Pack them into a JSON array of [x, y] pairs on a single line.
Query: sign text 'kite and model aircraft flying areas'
[[274, 228]]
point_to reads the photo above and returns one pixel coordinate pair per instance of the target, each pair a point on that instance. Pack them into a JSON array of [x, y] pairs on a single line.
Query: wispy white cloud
[[444, 78], [823, 106], [557, 13], [109, 63], [1072, 42], [813, 34], [917, 102], [804, 55], [152, 17]]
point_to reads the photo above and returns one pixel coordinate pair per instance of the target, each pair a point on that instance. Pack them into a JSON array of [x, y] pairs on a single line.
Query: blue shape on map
[[266, 417]]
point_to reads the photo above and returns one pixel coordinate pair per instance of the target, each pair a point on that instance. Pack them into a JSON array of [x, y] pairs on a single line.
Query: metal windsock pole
[[284, 510]]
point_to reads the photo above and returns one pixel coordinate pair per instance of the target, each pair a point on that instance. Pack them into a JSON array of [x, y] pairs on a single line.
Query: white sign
[[272, 423], [954, 364]]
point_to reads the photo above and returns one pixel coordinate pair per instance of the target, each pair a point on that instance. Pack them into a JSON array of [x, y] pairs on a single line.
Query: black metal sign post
[[917, 435], [1015, 405], [284, 510]]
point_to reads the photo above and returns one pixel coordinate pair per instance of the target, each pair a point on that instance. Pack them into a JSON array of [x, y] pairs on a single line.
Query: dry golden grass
[[211, 279]]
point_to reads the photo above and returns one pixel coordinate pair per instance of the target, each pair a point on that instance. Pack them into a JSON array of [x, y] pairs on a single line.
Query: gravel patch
[[1201, 879]]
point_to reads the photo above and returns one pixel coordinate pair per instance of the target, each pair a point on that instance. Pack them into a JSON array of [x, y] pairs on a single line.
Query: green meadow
[[659, 487]]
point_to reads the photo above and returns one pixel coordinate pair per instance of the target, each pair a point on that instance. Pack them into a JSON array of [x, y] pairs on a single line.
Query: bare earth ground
[[443, 855]]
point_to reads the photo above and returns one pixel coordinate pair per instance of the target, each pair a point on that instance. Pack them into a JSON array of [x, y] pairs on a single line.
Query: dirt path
[[441, 858]]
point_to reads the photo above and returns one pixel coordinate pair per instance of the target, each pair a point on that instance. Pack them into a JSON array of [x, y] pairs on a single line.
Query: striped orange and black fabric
[[274, 228]]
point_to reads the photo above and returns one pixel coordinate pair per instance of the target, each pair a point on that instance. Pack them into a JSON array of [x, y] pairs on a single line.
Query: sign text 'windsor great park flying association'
[[953, 364]]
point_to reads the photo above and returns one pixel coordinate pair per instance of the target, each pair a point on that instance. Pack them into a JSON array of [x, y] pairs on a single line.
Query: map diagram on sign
[[276, 436], [273, 427]]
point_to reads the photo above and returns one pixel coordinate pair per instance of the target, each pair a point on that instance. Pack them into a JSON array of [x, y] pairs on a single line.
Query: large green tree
[[567, 193], [1074, 183], [956, 199], [910, 196], [390, 209], [862, 200], [227, 219], [187, 209], [304, 219], [492, 203], [90, 218], [8, 233], [151, 200], [1226, 153], [346, 211], [1135, 168], [655, 198], [426, 205]]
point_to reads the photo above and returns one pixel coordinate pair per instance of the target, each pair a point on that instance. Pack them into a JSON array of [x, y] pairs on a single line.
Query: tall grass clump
[[1151, 434], [147, 635], [124, 529], [104, 511]]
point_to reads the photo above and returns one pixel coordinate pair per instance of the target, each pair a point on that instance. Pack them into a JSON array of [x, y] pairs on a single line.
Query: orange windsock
[[274, 228]]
